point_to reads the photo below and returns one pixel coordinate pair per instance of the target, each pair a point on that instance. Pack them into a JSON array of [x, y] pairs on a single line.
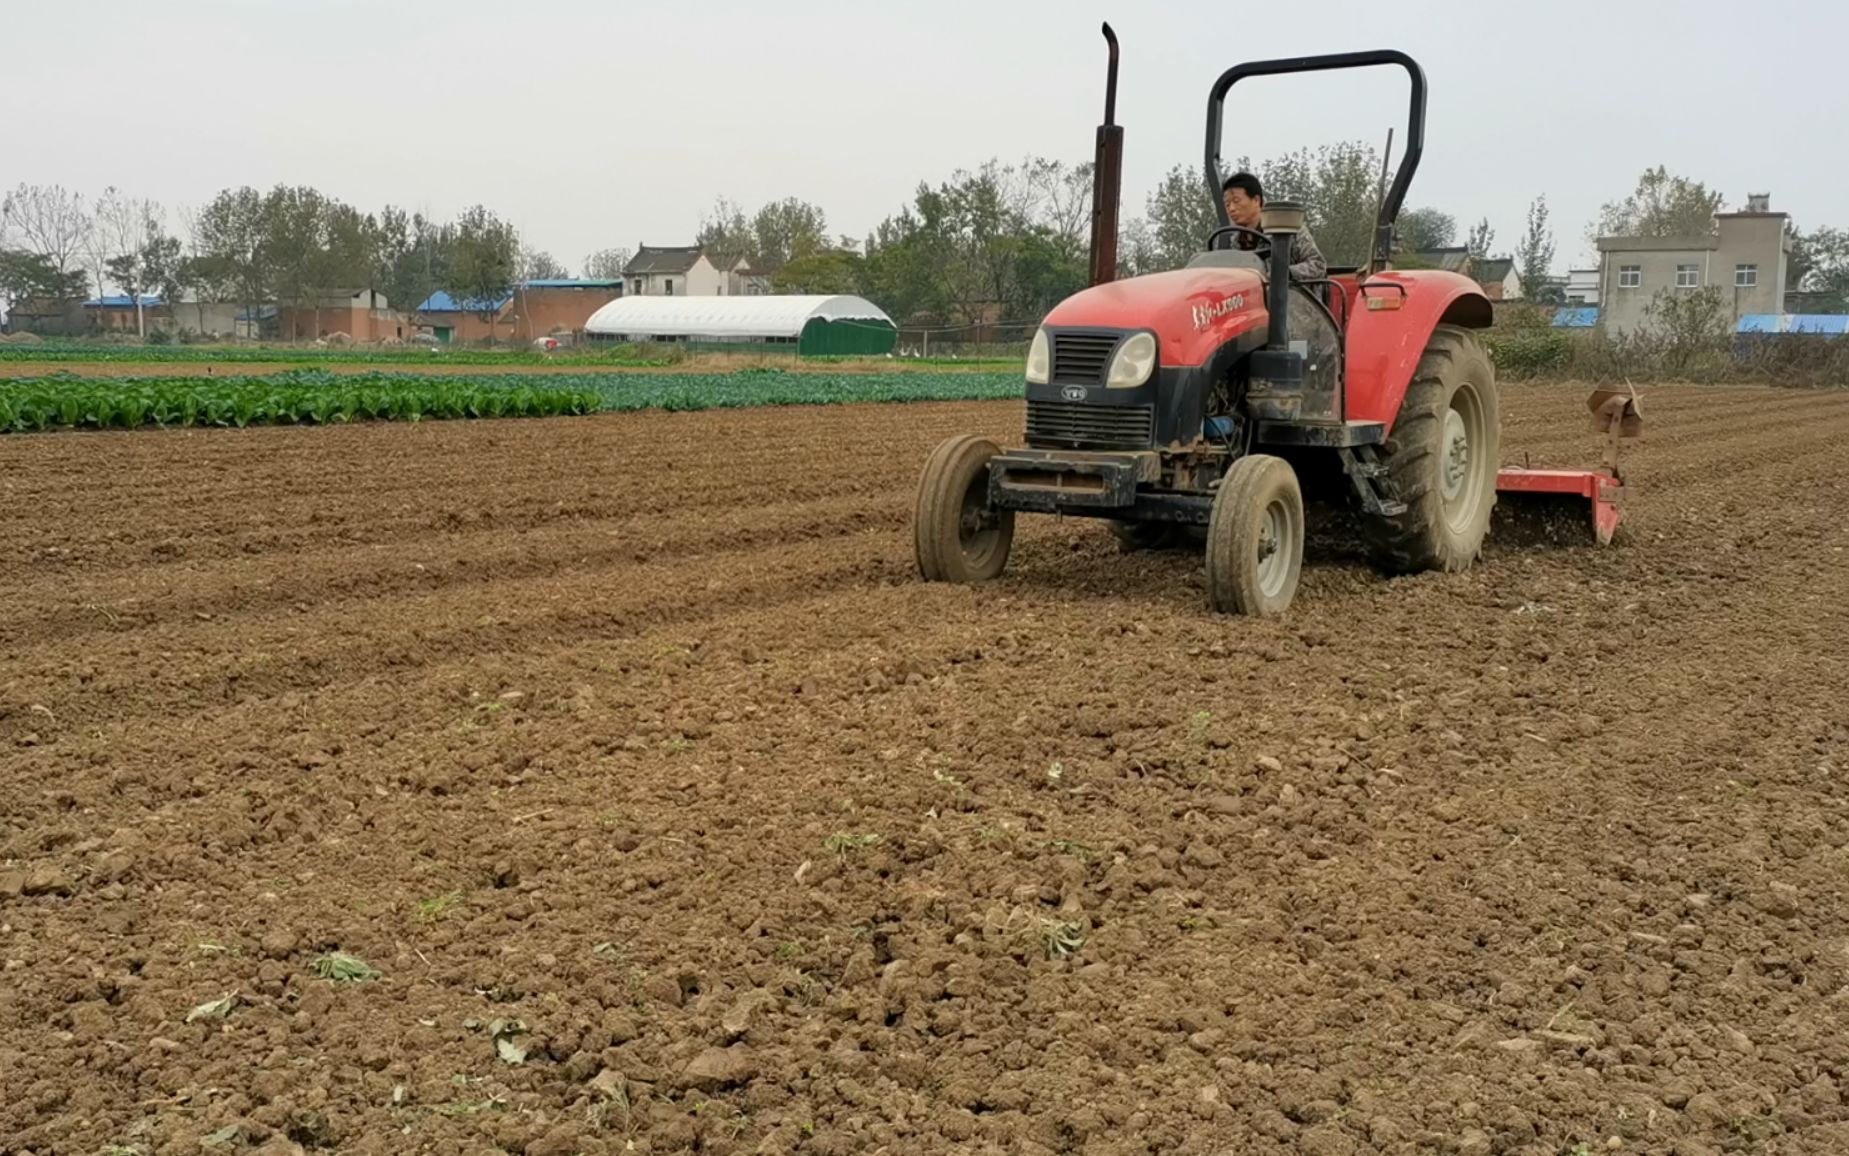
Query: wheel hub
[[975, 521], [1273, 564], [1455, 464]]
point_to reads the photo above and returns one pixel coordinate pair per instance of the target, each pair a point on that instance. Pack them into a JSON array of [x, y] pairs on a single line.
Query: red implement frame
[[1602, 490], [1616, 415]]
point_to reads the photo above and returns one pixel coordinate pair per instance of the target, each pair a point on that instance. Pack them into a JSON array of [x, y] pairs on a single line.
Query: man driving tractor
[[1245, 200]]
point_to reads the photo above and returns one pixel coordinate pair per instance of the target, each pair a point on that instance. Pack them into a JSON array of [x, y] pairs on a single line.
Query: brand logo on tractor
[[1073, 393], [1205, 315]]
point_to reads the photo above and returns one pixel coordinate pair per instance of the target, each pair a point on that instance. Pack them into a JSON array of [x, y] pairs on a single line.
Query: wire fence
[[982, 341]]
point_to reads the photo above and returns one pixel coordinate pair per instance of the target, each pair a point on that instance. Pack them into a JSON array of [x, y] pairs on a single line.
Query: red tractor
[[1191, 400]]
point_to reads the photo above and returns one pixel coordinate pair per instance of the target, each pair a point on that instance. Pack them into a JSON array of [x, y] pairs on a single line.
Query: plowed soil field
[[627, 748]]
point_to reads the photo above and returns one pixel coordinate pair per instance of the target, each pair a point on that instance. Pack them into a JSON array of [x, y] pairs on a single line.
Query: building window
[[1630, 276], [1688, 276], [1745, 276]]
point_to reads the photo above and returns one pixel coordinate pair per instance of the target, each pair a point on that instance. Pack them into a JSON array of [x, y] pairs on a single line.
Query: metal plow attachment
[[1571, 507]]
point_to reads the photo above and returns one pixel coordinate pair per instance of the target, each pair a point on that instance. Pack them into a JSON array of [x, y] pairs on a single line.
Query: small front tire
[[1255, 538], [957, 536]]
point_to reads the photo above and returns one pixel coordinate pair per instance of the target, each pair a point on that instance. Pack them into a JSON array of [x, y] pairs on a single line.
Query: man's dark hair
[[1245, 183]]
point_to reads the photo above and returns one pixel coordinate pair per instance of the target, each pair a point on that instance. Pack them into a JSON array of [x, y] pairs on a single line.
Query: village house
[[1743, 255], [689, 271]]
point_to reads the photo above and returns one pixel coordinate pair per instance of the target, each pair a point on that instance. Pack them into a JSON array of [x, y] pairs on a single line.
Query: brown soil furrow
[[1521, 859]]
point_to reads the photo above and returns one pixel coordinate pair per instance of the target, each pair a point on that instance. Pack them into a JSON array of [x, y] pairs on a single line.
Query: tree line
[[999, 242]]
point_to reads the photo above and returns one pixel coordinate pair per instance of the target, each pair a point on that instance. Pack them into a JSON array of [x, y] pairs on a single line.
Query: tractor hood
[[1191, 311]]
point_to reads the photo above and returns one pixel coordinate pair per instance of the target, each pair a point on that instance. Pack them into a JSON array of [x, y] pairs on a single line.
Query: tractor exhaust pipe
[[1275, 390], [1107, 178]]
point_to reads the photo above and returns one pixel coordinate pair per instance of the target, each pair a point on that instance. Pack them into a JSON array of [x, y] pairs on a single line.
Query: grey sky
[[607, 123]]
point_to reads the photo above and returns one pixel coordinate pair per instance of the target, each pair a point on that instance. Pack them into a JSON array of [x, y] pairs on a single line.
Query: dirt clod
[[717, 1068], [1779, 900], [48, 881]]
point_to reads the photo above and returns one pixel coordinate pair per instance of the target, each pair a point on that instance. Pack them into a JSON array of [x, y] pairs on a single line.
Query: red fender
[[1388, 331]]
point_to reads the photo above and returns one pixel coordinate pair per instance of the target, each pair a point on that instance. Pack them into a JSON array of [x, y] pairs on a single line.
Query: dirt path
[[637, 730]]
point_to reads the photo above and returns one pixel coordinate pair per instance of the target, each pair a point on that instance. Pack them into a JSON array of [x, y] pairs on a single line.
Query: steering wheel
[[1229, 230]]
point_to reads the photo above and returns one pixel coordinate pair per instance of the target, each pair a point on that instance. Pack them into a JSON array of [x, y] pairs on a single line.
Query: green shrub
[[1529, 353]]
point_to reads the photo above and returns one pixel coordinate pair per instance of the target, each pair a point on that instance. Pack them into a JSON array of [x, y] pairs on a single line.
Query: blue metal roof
[[1576, 317], [575, 283], [1833, 324], [261, 313], [441, 302], [121, 302]]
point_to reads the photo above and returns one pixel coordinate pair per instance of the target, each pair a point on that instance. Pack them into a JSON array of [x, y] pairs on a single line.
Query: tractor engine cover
[[1204, 320], [1192, 311]]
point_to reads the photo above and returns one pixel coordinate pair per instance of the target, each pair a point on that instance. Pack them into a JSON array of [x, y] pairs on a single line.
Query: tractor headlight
[[1039, 361], [1134, 362]]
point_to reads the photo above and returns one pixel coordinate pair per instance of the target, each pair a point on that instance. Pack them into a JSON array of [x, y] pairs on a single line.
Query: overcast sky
[[616, 121]]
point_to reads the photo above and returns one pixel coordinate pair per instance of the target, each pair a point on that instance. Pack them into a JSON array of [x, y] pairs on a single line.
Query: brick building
[[362, 314], [117, 314], [534, 309]]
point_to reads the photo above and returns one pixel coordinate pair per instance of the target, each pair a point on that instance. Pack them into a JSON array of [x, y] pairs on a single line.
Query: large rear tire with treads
[[1441, 460]]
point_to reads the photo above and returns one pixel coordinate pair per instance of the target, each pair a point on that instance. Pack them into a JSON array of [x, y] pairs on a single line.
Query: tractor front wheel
[[1255, 538], [1442, 458], [958, 536]]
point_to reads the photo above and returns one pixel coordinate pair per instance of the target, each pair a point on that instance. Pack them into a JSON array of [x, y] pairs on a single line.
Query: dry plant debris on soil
[[665, 812]]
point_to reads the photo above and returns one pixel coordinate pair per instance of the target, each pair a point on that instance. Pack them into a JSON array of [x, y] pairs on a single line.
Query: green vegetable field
[[28, 404], [49, 352], [684, 391], [319, 397]]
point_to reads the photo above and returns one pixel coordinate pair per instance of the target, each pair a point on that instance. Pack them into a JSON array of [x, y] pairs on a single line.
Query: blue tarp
[[1832, 324], [441, 302], [121, 302], [1576, 317]]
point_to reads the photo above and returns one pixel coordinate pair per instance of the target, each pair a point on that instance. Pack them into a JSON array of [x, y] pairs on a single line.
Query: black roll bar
[[1415, 127]]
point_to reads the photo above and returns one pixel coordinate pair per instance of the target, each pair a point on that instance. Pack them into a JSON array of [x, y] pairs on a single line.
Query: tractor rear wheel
[[957, 535], [1442, 458], [1255, 538]]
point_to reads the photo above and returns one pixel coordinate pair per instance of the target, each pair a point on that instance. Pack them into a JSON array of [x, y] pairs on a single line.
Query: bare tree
[[121, 225], [1061, 198], [539, 265], [607, 264], [52, 222]]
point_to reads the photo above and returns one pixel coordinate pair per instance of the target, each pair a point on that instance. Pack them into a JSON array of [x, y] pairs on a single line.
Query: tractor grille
[[1081, 358], [1082, 426]]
